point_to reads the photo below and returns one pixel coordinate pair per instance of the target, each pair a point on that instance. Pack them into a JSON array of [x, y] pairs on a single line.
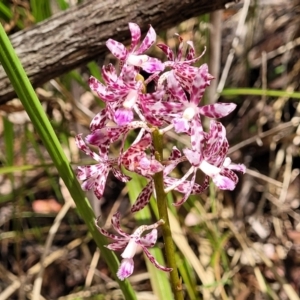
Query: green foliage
[[41, 9], [63, 5], [26, 94], [10, 13]]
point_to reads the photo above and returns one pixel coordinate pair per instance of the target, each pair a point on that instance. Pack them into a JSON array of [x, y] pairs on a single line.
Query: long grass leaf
[[33, 107], [260, 92], [8, 141], [63, 5], [41, 9], [189, 281]]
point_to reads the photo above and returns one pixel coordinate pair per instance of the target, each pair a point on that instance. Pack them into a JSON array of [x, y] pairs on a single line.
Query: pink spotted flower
[[135, 55], [209, 154], [129, 243], [173, 59], [136, 160], [181, 66], [182, 109], [94, 176], [181, 185], [123, 95], [120, 94]]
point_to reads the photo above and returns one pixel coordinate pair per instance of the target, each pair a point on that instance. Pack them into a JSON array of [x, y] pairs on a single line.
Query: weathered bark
[[78, 35]]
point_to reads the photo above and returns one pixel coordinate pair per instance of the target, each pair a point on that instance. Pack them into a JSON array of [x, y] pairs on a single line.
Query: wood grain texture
[[78, 35]]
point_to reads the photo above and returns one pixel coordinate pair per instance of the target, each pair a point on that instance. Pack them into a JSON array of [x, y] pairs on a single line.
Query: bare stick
[[235, 42], [215, 41]]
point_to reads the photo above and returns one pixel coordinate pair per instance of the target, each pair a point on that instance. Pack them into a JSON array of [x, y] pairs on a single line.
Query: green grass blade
[[7, 15], [5, 12], [63, 5], [41, 9], [260, 92], [189, 280], [8, 134], [8, 141], [14, 169], [95, 70], [26, 94]]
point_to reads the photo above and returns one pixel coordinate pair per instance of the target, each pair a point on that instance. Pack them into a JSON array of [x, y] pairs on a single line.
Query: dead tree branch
[[76, 36]]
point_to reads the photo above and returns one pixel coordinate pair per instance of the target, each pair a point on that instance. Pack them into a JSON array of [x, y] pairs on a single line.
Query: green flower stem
[[26, 94], [163, 214]]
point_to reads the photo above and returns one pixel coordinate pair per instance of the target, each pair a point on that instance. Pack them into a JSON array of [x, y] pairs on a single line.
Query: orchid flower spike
[[130, 244]]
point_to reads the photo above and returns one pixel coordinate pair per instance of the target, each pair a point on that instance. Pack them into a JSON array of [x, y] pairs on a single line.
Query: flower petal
[[88, 184], [217, 110], [153, 65], [114, 237], [155, 262], [149, 239], [217, 144], [123, 116], [117, 246], [223, 182], [130, 250], [100, 182], [98, 137], [188, 192], [175, 88], [135, 35], [167, 50], [175, 154], [83, 147], [191, 52], [99, 120], [97, 87], [148, 41], [236, 167], [117, 49], [143, 198], [115, 221], [200, 82], [193, 157], [197, 136], [126, 268], [120, 176], [181, 125], [109, 74], [199, 189]]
